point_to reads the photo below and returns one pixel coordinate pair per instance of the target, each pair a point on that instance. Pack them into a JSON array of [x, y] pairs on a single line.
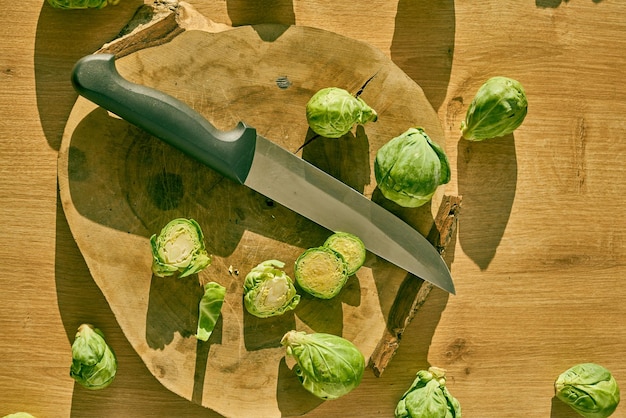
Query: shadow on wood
[[423, 44], [487, 176], [76, 33]]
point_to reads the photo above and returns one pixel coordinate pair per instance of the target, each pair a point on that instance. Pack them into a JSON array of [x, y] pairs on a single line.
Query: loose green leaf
[[179, 248], [210, 308], [93, 362], [590, 389], [268, 291], [328, 366], [410, 167], [332, 112]]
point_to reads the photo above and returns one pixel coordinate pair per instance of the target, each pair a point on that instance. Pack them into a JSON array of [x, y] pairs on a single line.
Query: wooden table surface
[[539, 259]]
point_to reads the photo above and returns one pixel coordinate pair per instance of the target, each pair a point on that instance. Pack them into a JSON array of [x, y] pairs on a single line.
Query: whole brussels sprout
[[328, 366], [81, 4], [179, 248], [332, 112], [410, 167], [93, 362], [268, 291], [590, 389], [499, 107], [428, 397]]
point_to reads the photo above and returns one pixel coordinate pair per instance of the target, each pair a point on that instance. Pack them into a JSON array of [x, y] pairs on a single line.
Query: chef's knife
[[249, 159]]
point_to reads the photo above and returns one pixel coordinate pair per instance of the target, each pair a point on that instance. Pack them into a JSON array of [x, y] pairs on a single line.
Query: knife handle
[[230, 153]]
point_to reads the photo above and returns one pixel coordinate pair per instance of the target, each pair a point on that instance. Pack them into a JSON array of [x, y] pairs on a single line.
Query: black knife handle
[[228, 152]]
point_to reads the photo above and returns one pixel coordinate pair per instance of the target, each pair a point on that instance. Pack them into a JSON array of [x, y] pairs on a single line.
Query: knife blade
[[251, 160]]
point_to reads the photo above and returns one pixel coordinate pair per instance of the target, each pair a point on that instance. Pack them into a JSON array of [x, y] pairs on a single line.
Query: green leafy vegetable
[[321, 272], [499, 107], [332, 112], [351, 249], [328, 366], [93, 362], [268, 291], [428, 397], [179, 248], [410, 167], [210, 309], [81, 4], [590, 389]]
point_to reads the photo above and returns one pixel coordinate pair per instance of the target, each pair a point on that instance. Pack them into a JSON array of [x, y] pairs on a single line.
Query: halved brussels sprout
[[590, 389], [410, 167], [499, 107], [351, 249], [321, 272], [179, 248], [93, 362], [328, 366], [428, 397], [268, 291], [332, 112]]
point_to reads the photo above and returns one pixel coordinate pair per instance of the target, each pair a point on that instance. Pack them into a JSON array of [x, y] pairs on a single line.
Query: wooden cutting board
[[119, 186]]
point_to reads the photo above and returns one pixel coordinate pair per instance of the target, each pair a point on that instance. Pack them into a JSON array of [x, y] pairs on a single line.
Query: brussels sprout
[[179, 248], [268, 291], [350, 247], [93, 362], [321, 272], [428, 397], [410, 167], [19, 415], [328, 366], [81, 4], [209, 309], [590, 389], [498, 108], [332, 112]]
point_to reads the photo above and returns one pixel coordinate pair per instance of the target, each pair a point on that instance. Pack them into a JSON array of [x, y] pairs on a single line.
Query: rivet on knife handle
[[228, 152]]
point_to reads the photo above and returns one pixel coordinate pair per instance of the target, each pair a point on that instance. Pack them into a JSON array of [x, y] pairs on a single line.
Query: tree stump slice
[[119, 185]]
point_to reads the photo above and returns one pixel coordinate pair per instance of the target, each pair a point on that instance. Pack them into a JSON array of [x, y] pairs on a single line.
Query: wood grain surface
[[538, 260]]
